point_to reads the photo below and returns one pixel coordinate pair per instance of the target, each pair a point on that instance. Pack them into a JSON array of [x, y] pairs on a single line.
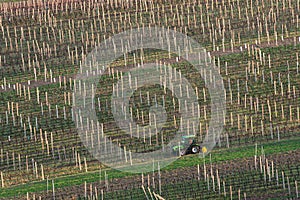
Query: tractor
[[188, 145]]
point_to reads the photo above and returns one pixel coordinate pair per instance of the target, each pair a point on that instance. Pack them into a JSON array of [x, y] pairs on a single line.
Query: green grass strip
[[218, 155]]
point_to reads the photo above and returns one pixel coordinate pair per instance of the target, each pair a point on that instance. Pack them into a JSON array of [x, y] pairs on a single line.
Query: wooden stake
[[42, 171], [2, 180], [85, 165], [297, 192], [53, 190]]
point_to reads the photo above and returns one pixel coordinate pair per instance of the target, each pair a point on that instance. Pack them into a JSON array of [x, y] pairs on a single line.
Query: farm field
[[48, 133]]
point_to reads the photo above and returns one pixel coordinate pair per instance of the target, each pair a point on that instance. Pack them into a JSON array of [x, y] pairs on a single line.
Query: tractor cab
[[187, 140], [187, 145]]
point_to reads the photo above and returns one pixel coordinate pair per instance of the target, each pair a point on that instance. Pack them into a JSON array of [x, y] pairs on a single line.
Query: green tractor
[[188, 145]]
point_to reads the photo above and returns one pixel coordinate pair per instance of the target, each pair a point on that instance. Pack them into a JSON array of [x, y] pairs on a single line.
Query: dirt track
[[178, 175]]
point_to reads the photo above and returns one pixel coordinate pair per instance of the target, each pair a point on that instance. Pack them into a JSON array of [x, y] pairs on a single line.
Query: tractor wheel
[[195, 149]]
